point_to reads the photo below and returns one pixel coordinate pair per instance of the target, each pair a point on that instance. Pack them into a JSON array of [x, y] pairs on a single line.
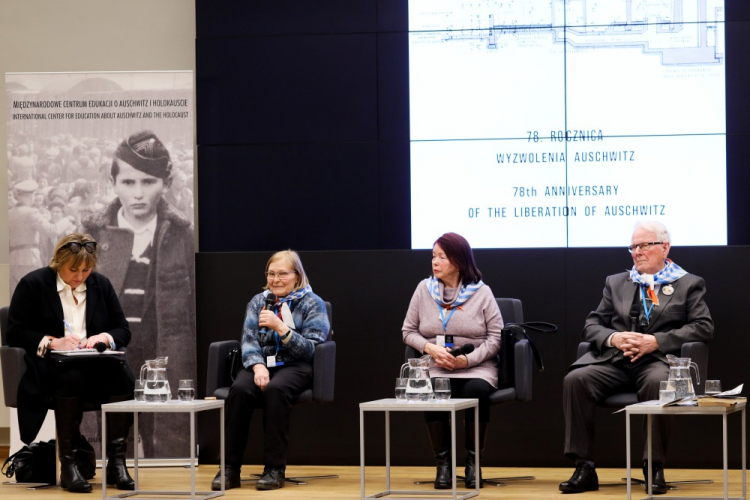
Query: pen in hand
[[70, 330]]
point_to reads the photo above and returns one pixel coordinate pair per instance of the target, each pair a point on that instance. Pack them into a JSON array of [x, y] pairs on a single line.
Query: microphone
[[465, 349], [635, 311], [270, 301], [100, 347]]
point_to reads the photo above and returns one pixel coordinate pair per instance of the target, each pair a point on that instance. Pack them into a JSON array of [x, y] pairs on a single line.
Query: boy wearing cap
[[146, 250]]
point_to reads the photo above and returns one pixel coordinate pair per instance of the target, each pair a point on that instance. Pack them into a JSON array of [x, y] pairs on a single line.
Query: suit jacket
[[35, 312], [680, 317]]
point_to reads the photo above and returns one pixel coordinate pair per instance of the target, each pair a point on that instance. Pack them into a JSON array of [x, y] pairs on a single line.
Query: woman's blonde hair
[[292, 258], [63, 255]]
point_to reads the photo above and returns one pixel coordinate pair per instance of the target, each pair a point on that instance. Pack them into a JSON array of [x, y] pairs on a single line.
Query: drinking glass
[[442, 389], [138, 395], [401, 388], [712, 387], [186, 391], [666, 396]]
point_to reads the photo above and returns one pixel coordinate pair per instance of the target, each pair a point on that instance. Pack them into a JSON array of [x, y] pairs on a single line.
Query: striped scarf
[[464, 293], [293, 295], [669, 274]]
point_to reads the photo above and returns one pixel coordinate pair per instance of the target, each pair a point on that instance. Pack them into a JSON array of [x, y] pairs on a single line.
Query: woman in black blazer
[[68, 306]]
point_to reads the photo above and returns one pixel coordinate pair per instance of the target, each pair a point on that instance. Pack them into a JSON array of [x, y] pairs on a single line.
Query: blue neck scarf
[[671, 273], [464, 293], [293, 295]]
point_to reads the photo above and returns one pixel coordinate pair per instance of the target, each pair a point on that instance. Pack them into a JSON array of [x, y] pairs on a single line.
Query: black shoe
[[231, 478], [659, 486], [72, 480], [84, 456], [117, 474], [583, 479], [443, 474], [272, 479], [470, 471]]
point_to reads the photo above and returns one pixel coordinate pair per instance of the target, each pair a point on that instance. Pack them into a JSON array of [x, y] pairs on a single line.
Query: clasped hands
[[444, 359], [634, 345]]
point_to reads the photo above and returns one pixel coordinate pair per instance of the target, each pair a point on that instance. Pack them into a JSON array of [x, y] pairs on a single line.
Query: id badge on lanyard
[[445, 340]]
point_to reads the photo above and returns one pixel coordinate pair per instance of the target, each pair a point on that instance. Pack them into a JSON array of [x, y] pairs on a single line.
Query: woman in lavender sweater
[[455, 307]]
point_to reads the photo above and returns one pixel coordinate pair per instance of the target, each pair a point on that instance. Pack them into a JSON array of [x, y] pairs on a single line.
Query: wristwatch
[[284, 337]]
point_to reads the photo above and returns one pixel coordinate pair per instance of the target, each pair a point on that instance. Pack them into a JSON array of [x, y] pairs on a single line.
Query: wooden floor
[[347, 486]]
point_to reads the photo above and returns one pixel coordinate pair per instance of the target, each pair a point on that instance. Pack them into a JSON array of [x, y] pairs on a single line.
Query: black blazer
[[35, 312]]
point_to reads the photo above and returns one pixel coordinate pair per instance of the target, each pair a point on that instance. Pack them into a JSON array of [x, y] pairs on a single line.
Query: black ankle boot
[[68, 414], [470, 473], [118, 427], [440, 439], [84, 456]]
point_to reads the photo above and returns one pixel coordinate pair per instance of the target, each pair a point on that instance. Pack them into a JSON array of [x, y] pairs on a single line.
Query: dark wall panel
[[370, 292], [283, 89], [283, 17], [266, 196]]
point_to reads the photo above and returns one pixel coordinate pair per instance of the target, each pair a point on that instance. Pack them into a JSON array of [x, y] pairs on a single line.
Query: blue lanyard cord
[[646, 310], [443, 318]]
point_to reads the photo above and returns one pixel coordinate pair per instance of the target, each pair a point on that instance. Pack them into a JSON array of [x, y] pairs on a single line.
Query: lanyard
[[445, 320], [646, 310]]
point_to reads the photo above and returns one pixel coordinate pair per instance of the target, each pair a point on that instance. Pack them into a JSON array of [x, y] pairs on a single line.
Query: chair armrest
[[523, 364], [324, 371], [698, 352], [216, 376], [13, 367], [583, 348]]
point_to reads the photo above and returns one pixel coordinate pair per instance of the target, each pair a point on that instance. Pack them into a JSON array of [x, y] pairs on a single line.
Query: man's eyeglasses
[[76, 247], [643, 246], [283, 275]]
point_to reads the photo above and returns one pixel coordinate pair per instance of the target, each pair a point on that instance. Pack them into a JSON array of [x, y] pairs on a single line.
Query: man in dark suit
[[645, 314]]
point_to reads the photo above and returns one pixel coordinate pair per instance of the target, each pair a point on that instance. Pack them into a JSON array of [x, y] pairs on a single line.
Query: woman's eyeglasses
[[283, 275], [76, 247]]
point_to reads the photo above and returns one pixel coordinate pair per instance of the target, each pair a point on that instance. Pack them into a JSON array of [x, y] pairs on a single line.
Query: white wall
[[86, 35]]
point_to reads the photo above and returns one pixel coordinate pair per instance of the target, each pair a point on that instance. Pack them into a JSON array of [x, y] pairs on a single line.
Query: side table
[[655, 409], [395, 405], [191, 407]]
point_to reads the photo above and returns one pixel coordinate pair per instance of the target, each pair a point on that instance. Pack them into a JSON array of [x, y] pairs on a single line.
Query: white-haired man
[[645, 314]]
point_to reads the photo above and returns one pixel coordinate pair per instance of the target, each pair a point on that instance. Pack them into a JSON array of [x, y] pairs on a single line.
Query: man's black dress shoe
[[583, 479], [272, 479], [231, 478], [659, 486]]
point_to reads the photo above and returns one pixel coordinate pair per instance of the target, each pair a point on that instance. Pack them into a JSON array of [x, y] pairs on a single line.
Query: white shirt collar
[[61, 285], [123, 222]]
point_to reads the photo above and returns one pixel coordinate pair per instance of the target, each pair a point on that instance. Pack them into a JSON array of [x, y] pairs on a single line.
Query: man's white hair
[[656, 227]]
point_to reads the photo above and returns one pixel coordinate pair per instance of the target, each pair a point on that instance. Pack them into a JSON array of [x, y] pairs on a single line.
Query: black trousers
[[584, 387], [475, 388], [287, 382]]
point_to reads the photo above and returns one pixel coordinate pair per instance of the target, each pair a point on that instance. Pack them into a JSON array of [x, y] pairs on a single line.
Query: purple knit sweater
[[477, 322]]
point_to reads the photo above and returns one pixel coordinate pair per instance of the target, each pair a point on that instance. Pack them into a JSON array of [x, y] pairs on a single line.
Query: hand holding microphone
[[449, 360], [270, 302]]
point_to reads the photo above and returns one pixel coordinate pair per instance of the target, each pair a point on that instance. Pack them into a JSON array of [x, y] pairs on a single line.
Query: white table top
[[393, 404], [173, 406], [642, 409]]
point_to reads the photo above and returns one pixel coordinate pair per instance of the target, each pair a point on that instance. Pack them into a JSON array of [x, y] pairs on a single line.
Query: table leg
[[650, 466], [744, 456], [453, 452], [726, 456], [361, 454], [627, 448], [192, 455], [137, 438], [104, 454], [388, 450]]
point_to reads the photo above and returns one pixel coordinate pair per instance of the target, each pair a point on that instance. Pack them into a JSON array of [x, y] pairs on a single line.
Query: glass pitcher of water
[[156, 386], [419, 386], [679, 374]]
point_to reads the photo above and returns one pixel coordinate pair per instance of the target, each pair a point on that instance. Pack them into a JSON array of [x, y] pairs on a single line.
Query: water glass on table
[[401, 388], [712, 387], [667, 391], [442, 389], [186, 391]]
